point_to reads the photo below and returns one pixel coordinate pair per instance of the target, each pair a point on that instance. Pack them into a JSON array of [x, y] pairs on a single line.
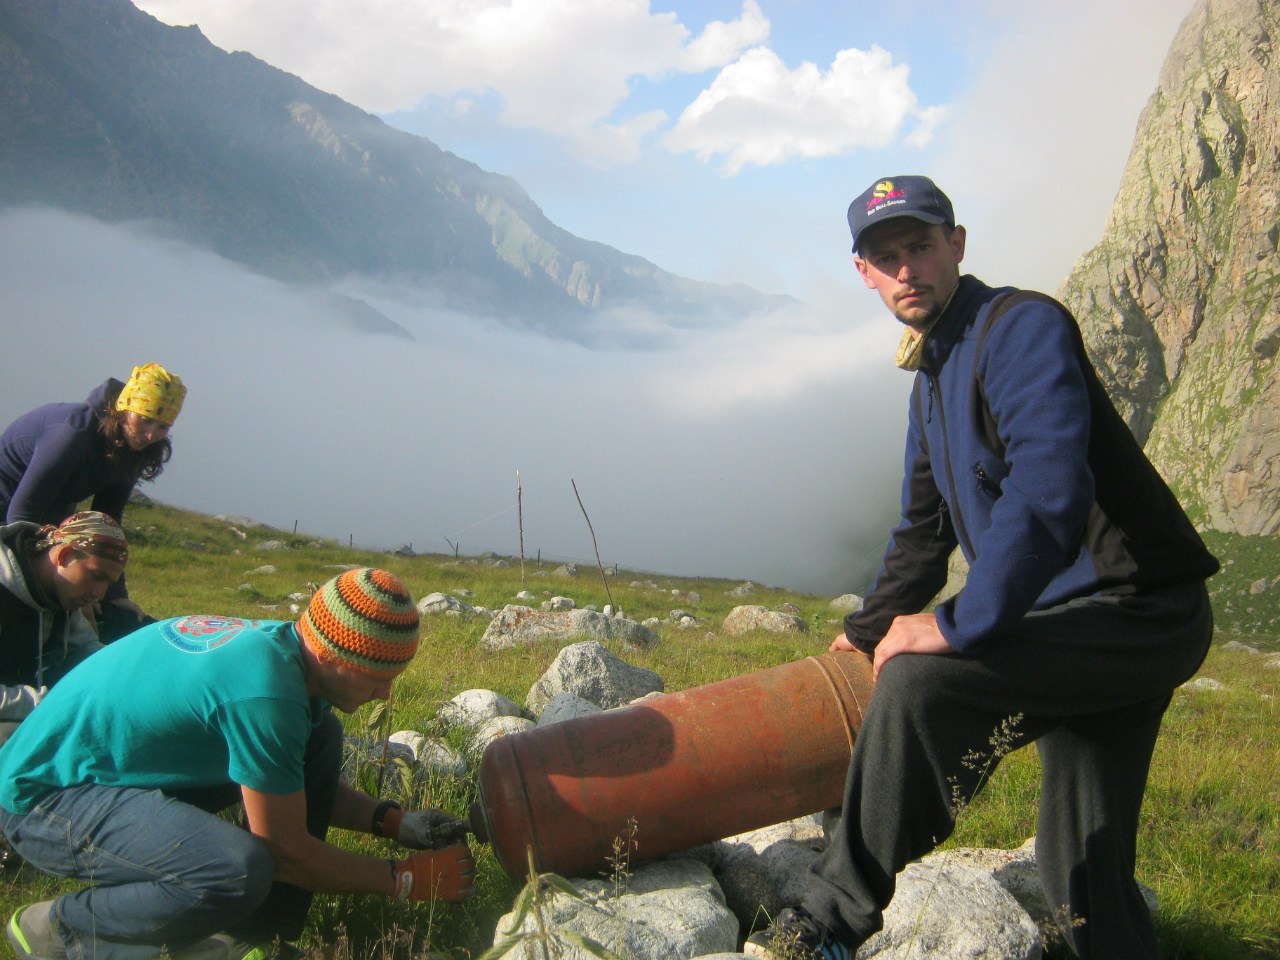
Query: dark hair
[[144, 464]]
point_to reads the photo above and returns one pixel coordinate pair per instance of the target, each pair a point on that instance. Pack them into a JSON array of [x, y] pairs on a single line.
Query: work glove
[[424, 829], [448, 874], [17, 702]]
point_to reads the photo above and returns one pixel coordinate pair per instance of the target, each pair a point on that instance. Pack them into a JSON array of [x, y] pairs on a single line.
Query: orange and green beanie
[[364, 619]]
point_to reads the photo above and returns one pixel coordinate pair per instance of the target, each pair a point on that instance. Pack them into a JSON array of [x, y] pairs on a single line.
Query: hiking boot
[[32, 935], [795, 935]]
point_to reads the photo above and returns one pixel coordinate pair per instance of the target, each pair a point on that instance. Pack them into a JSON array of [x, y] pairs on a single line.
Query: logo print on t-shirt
[[201, 633]]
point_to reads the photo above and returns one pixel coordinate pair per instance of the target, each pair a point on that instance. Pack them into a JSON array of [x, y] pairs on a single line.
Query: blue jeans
[[164, 869]]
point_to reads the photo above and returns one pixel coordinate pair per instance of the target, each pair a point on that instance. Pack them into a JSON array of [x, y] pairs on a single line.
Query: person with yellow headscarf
[[59, 454]]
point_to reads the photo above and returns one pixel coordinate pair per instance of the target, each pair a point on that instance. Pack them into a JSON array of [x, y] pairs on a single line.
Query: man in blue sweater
[[1083, 609]]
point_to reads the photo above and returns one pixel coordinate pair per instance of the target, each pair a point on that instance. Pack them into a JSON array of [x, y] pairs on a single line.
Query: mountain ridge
[[1179, 302], [110, 112]]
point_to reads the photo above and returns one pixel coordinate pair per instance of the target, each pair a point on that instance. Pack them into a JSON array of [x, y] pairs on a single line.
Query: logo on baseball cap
[[892, 197]]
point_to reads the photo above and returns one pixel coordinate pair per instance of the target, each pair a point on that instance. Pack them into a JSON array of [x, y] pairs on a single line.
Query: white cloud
[[564, 66], [757, 111]]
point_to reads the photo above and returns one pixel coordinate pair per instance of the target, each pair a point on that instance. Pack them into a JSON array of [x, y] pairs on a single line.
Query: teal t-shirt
[[191, 702]]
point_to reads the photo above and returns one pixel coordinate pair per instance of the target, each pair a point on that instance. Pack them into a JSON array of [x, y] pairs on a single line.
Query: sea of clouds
[[768, 449]]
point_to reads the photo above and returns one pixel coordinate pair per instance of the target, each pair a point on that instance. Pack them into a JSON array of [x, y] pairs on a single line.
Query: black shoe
[[795, 936]]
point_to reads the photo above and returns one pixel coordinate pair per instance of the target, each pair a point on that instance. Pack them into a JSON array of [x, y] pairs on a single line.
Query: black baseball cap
[[892, 197]]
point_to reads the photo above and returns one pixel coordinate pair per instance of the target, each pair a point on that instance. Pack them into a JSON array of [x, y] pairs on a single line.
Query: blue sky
[[723, 139]]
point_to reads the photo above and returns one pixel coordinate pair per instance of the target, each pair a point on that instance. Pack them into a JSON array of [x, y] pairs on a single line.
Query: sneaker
[[32, 935], [795, 936]]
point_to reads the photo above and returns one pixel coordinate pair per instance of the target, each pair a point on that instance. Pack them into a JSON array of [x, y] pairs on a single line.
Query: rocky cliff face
[[1180, 302], [108, 112]]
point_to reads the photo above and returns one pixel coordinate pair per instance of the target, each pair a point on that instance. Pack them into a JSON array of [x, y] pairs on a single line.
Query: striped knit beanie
[[364, 619]]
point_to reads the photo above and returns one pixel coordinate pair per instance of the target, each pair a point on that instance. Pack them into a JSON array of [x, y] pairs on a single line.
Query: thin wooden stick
[[599, 565], [520, 524], [386, 739]]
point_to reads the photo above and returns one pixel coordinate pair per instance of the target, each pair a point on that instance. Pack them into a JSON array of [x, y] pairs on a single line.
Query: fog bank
[[769, 450]]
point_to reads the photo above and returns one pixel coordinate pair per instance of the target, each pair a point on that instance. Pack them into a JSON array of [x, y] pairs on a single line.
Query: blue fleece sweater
[[1015, 454]]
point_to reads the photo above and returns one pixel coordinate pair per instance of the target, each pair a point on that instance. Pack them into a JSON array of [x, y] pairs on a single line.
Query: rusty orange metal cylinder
[[689, 767]]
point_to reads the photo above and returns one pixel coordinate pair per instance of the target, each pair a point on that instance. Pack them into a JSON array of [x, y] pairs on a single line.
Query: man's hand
[[841, 642], [447, 874], [428, 829], [917, 633]]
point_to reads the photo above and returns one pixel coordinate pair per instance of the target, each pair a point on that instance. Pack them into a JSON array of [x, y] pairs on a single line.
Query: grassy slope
[[1212, 813]]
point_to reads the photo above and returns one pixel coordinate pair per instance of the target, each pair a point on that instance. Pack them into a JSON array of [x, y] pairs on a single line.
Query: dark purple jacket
[[55, 456]]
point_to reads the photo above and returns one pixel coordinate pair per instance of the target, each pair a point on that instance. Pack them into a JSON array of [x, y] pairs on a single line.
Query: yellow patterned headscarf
[[152, 391]]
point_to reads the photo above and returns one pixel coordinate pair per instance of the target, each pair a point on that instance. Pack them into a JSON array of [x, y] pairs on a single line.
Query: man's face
[[349, 689], [80, 580], [913, 265]]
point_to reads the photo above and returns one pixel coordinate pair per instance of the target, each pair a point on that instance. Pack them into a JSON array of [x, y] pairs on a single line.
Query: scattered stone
[[1203, 683], [1238, 647], [272, 545], [495, 729], [590, 671], [517, 626], [559, 603], [744, 589], [848, 603], [263, 570], [752, 617], [1258, 586], [436, 604], [431, 755], [472, 709], [565, 706], [946, 910], [764, 870], [666, 910], [565, 570], [404, 550]]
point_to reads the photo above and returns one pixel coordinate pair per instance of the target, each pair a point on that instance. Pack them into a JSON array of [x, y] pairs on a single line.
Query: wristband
[[380, 814]]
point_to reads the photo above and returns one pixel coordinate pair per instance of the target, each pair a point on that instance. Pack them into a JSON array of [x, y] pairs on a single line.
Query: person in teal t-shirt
[[218, 710]]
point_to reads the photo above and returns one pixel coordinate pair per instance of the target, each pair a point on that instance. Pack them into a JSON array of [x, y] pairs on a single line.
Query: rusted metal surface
[[690, 767]]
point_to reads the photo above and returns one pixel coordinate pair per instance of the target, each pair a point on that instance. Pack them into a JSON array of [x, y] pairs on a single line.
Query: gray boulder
[[565, 706], [437, 604], [472, 709], [590, 671], [752, 617], [667, 910], [846, 603], [517, 626], [946, 911], [764, 870], [433, 757], [495, 729]]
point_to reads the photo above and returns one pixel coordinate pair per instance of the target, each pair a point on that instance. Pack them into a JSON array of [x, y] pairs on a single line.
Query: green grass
[[1209, 847]]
